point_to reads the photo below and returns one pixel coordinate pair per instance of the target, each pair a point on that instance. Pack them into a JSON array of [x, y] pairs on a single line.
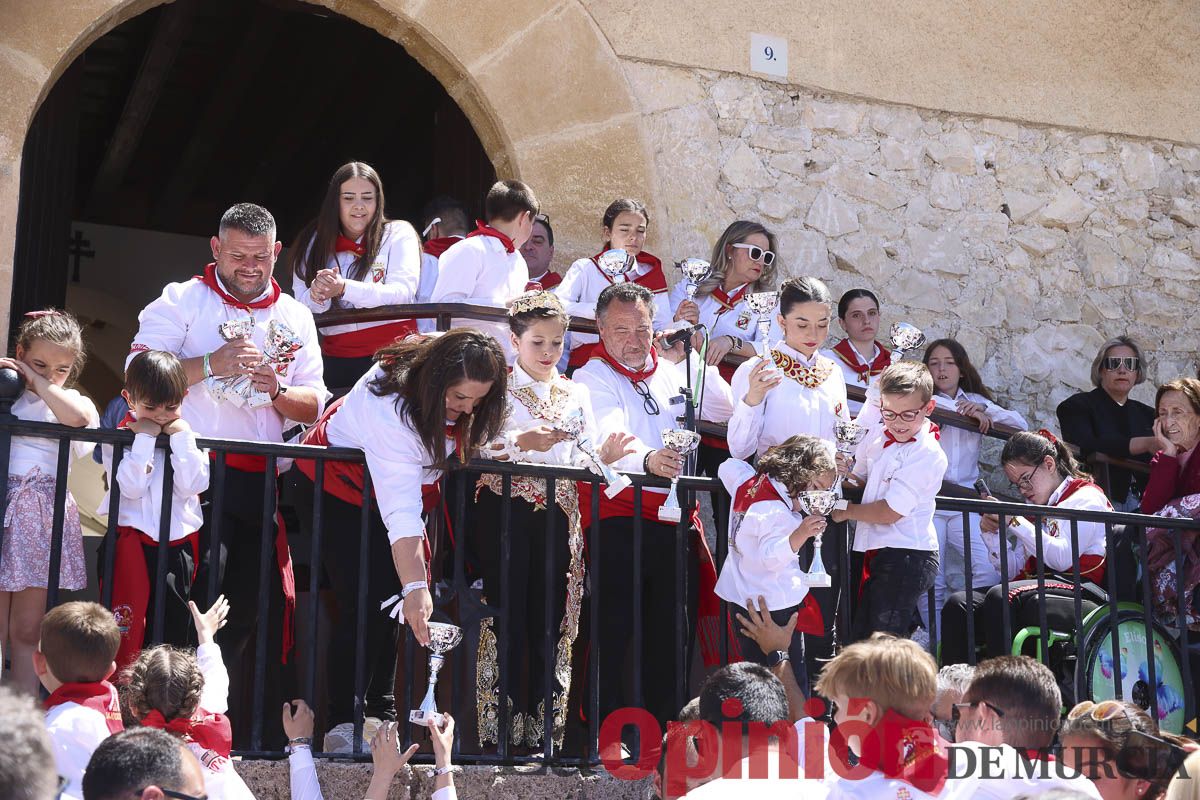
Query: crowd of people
[[229, 355]]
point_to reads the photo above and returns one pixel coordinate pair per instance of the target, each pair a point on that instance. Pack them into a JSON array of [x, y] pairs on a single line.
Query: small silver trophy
[[682, 441], [573, 424], [443, 638], [821, 502], [905, 337], [694, 270], [762, 304], [614, 263], [848, 434]]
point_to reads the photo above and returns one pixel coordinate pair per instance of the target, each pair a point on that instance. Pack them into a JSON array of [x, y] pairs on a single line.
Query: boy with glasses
[[899, 466]]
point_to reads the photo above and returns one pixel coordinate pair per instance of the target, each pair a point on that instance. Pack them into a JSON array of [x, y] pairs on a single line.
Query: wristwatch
[[297, 743], [777, 657], [280, 392]]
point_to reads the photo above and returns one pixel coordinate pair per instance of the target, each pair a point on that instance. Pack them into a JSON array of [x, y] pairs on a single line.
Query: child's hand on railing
[[145, 426], [177, 426], [211, 621]]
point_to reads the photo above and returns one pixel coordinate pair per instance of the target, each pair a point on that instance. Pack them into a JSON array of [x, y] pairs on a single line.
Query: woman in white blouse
[[352, 256], [539, 400]]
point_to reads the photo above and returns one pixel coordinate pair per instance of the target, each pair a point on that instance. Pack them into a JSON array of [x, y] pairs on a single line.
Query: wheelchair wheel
[[1096, 674]]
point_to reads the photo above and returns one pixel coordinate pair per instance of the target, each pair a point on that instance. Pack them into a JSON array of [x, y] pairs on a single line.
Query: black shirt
[[1095, 423]]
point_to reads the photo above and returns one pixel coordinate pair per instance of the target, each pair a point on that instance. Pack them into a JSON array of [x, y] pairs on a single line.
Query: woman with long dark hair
[[352, 256], [424, 403]]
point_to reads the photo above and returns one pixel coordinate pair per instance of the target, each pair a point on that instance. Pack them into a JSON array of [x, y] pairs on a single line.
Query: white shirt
[[582, 285], [849, 374], [962, 445], [618, 407], [184, 321], [908, 476], [741, 322], [478, 271], [788, 409], [429, 276], [75, 733], [761, 560], [767, 787], [999, 772], [395, 455], [559, 394], [140, 480], [1056, 543], [391, 279], [28, 452], [221, 781]]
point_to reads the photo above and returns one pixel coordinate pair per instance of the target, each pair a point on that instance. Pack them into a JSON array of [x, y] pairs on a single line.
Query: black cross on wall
[[79, 247]]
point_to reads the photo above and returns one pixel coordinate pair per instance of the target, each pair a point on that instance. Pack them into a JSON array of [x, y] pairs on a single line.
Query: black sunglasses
[[174, 794], [956, 710]]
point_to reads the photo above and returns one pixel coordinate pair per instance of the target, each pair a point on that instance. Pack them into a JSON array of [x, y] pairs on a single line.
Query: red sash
[[347, 245], [483, 229], [901, 748], [366, 341], [435, 247], [209, 279], [546, 282], [1091, 566], [850, 358], [210, 731], [99, 696], [654, 280], [759, 489]]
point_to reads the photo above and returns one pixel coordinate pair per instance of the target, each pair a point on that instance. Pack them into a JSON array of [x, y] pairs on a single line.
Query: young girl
[[539, 399], [958, 387], [424, 402], [1044, 472], [49, 356], [766, 533], [800, 390], [352, 256], [187, 694], [743, 262], [860, 355], [624, 227]]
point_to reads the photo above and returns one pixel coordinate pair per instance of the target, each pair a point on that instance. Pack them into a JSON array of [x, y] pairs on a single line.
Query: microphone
[[681, 334]]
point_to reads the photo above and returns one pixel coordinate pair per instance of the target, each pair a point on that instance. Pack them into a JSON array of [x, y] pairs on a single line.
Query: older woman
[[1105, 420], [1098, 740]]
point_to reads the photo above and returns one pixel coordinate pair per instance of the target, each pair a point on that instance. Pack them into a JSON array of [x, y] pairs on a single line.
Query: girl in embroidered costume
[[49, 356], [186, 694], [539, 399], [958, 388], [624, 227], [801, 391], [860, 355], [1043, 470], [766, 531], [426, 401], [352, 256]]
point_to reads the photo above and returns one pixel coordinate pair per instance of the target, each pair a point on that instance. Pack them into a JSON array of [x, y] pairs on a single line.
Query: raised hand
[[211, 621]]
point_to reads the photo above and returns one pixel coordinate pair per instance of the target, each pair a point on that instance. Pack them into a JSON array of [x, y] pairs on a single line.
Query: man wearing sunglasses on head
[[1106, 420], [144, 763]]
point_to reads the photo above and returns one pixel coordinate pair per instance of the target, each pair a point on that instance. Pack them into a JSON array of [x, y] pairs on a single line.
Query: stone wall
[[1031, 245]]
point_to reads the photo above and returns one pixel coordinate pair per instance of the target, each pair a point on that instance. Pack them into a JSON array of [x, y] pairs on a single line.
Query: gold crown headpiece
[[536, 299]]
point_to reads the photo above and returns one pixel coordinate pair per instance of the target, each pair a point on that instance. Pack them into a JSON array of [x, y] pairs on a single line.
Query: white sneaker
[[340, 740]]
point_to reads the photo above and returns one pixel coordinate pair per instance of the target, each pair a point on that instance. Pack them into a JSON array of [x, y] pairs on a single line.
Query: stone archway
[[538, 81]]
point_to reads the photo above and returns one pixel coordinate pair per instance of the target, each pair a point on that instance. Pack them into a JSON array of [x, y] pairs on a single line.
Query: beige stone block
[[776, 206], [985, 227], [839, 117], [955, 152], [744, 169], [1002, 128], [944, 191], [831, 215], [781, 140], [1066, 210], [659, 87], [1021, 206], [1138, 165], [1185, 211], [802, 252], [939, 251], [900, 155], [1188, 158], [739, 98], [1103, 266], [897, 122], [1135, 209], [862, 254], [1171, 264], [865, 186], [791, 163], [1070, 167], [1039, 242], [1026, 176], [1097, 143], [1161, 229], [915, 288]]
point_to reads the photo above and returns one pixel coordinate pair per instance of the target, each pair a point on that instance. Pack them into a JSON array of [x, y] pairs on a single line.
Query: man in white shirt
[[143, 763], [287, 377], [446, 223]]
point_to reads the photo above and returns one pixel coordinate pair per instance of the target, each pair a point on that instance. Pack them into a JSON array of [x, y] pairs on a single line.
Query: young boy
[[900, 467], [881, 690], [155, 385], [74, 660], [487, 267]]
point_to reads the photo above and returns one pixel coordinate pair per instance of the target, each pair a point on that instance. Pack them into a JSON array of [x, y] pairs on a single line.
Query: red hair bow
[[1045, 434]]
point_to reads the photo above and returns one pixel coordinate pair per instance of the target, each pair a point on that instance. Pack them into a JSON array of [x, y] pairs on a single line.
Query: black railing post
[[217, 482], [968, 587], [504, 628], [1182, 602], [265, 565], [58, 527], [314, 579], [1043, 623], [1148, 624], [549, 606], [639, 700], [11, 386], [164, 546], [360, 619], [1006, 632], [1114, 614], [593, 661], [109, 547]]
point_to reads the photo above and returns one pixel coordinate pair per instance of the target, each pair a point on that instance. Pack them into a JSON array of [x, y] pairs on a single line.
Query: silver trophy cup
[[694, 270], [614, 263], [822, 502], [682, 441], [443, 638], [762, 304], [848, 435], [905, 337], [573, 424]]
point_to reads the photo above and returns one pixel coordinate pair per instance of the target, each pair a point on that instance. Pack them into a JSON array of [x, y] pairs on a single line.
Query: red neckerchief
[[483, 229], [1091, 565], [635, 376], [210, 731], [851, 358], [889, 440], [454, 433], [729, 301], [901, 748], [654, 279], [1073, 486], [126, 421], [209, 279], [99, 696], [347, 245], [435, 247]]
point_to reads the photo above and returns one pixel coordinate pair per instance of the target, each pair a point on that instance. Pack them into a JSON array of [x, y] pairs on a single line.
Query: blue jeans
[[897, 580]]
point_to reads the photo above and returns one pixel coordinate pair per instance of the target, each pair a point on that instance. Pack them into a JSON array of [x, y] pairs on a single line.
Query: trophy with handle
[[443, 638], [848, 434], [821, 502], [762, 304], [905, 337], [614, 263], [694, 270], [572, 424], [682, 441]]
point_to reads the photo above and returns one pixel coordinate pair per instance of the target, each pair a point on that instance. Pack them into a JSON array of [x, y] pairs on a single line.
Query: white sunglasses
[[757, 253]]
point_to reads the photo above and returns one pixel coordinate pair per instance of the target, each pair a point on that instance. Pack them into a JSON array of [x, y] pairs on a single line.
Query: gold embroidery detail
[[809, 377], [549, 410]]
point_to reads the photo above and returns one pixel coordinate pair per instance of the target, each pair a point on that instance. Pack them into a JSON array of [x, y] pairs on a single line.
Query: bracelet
[[208, 373], [412, 587], [304, 740], [440, 771], [646, 462]]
